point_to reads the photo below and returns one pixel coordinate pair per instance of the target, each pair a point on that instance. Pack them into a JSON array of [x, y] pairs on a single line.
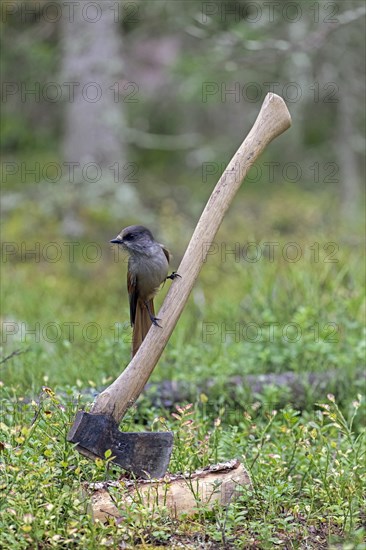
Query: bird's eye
[[129, 237]]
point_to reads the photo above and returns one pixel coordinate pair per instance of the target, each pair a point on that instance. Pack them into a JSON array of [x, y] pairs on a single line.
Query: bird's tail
[[142, 323]]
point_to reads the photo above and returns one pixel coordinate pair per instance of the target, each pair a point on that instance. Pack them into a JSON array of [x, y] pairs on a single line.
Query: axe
[[147, 454]]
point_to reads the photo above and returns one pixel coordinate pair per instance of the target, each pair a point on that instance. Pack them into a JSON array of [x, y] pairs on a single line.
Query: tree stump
[[218, 484]]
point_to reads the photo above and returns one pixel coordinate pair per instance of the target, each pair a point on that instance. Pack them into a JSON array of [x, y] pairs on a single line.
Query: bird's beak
[[117, 240]]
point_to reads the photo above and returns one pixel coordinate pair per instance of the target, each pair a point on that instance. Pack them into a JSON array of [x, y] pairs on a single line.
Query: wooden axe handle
[[273, 120]]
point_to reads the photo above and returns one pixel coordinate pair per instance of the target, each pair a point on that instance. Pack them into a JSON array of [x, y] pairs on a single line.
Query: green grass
[[308, 474], [306, 459]]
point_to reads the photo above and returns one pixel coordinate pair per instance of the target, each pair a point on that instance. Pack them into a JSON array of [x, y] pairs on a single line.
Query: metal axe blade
[[145, 454]]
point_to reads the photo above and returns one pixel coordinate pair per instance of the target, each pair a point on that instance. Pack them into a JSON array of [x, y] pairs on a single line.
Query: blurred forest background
[[116, 113]]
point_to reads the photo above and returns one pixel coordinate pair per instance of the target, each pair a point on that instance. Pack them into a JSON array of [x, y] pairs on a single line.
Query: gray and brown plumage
[[148, 267]]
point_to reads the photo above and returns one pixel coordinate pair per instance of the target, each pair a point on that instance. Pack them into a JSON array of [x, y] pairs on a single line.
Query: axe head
[[145, 454]]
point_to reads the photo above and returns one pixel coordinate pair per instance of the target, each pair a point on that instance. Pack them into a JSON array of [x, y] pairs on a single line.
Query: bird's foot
[[155, 320], [173, 276]]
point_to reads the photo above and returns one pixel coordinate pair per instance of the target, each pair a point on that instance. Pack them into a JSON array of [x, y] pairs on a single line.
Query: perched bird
[[148, 267]]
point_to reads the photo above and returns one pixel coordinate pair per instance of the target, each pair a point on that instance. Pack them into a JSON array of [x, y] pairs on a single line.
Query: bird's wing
[[167, 253], [132, 295]]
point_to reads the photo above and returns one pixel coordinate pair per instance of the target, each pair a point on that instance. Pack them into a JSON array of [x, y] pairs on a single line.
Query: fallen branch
[[13, 354], [296, 387]]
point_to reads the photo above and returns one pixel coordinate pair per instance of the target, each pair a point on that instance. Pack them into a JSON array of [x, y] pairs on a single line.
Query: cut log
[[218, 484]]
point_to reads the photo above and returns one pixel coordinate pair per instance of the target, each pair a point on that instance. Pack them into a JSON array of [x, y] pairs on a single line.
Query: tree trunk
[[92, 66], [350, 189]]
